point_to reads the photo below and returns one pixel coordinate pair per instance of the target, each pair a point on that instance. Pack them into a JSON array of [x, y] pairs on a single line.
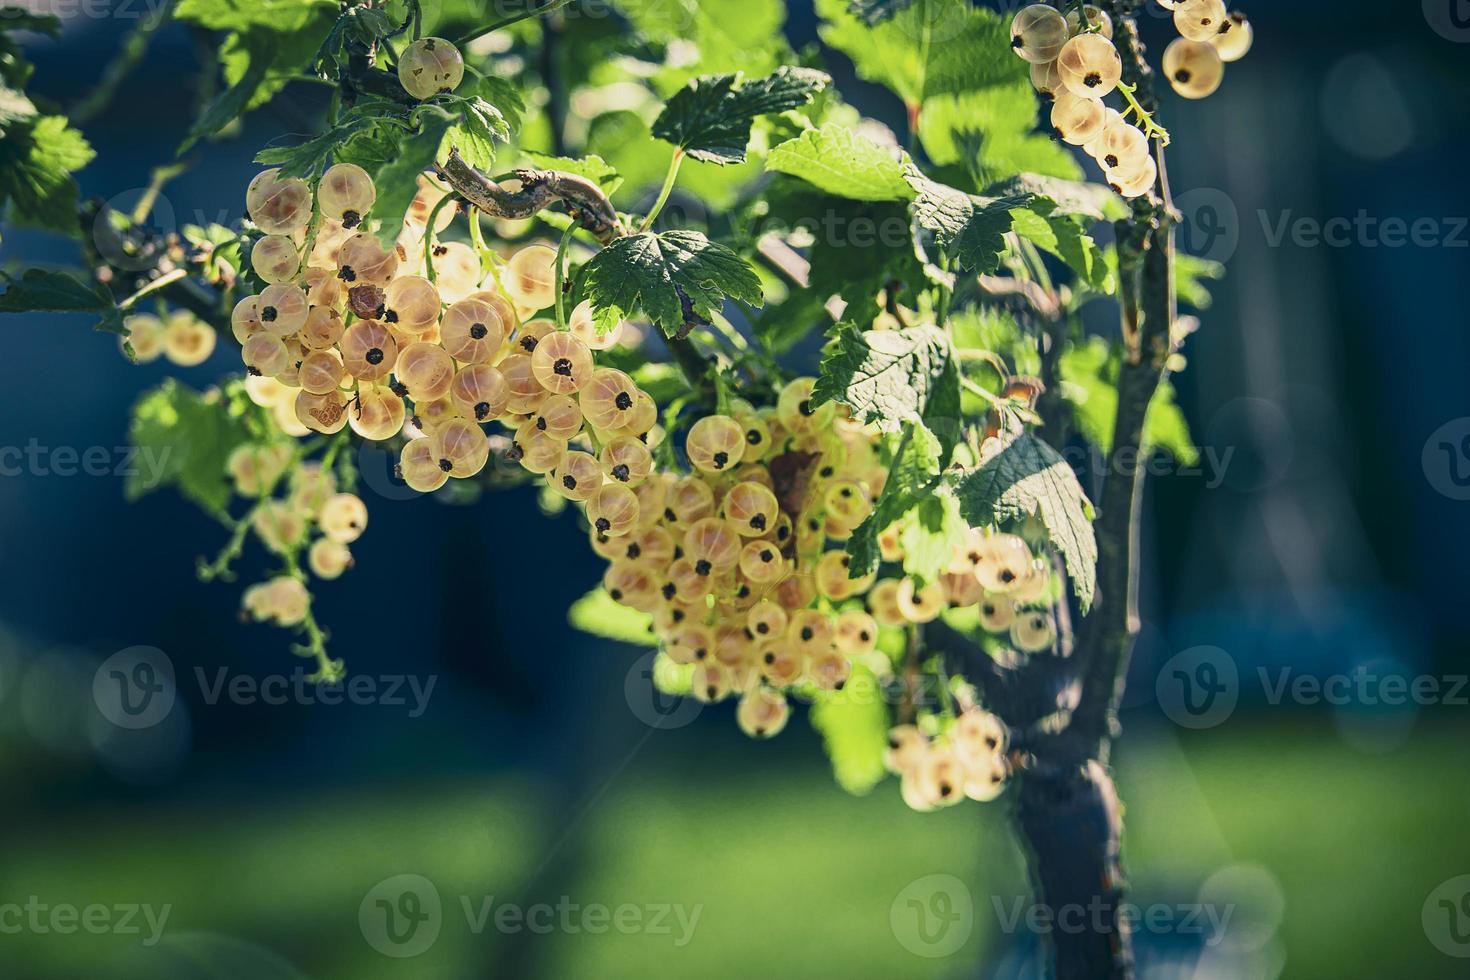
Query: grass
[[1325, 855]]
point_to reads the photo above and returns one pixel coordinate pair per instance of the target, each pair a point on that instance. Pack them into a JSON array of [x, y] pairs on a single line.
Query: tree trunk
[[1072, 826]]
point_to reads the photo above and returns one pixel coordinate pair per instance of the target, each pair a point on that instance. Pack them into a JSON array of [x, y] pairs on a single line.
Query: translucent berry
[[430, 66], [1038, 33]]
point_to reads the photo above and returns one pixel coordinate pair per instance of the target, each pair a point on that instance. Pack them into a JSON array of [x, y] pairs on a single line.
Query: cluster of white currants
[[967, 761], [180, 337], [1074, 60], [310, 515]]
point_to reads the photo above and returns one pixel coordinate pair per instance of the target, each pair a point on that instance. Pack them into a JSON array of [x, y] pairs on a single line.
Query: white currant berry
[[1090, 66], [473, 329], [1199, 20], [530, 277], [369, 352], [977, 737], [480, 392], [1195, 69], [762, 713], [275, 258], [343, 517], [430, 66], [1235, 37], [584, 327], [321, 413], [997, 613], [346, 193], [426, 370], [1033, 632], [283, 308], [1046, 77], [420, 468], [1133, 179], [187, 340], [1078, 120], [377, 414], [411, 303], [278, 206], [1038, 33], [562, 363], [328, 559], [1097, 20], [461, 448], [362, 260]]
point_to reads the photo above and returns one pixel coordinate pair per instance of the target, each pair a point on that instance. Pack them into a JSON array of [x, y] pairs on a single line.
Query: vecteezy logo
[[134, 688], [651, 706], [401, 916], [1210, 226], [933, 916], [1446, 459], [1449, 18], [1446, 917], [1199, 687]]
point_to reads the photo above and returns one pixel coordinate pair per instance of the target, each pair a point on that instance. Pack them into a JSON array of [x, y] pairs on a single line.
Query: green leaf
[[782, 325], [15, 107], [934, 531], [710, 118], [911, 479], [592, 166], [728, 36], [362, 25], [1066, 238], [1066, 198], [480, 125], [649, 272], [309, 157], [1025, 478], [45, 291], [875, 11], [857, 247], [991, 132], [184, 438], [1190, 273], [970, 228], [229, 105], [1089, 384], [598, 614], [397, 181], [885, 376], [932, 47], [853, 723], [234, 15], [37, 159], [844, 162], [19, 19]]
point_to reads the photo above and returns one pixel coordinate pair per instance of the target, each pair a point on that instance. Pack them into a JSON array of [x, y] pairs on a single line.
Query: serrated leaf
[[46, 291], [853, 723], [1190, 273], [911, 478], [1065, 237], [934, 531], [710, 118], [970, 228], [184, 437], [1028, 477], [931, 47], [648, 272], [844, 162], [598, 614], [479, 127], [397, 181], [884, 376], [362, 25], [37, 159], [1069, 198], [309, 157]]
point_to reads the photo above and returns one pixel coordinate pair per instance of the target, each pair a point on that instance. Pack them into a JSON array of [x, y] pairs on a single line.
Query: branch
[[540, 189], [1146, 291]]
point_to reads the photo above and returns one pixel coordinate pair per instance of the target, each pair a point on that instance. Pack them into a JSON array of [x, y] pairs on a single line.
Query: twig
[[540, 189]]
